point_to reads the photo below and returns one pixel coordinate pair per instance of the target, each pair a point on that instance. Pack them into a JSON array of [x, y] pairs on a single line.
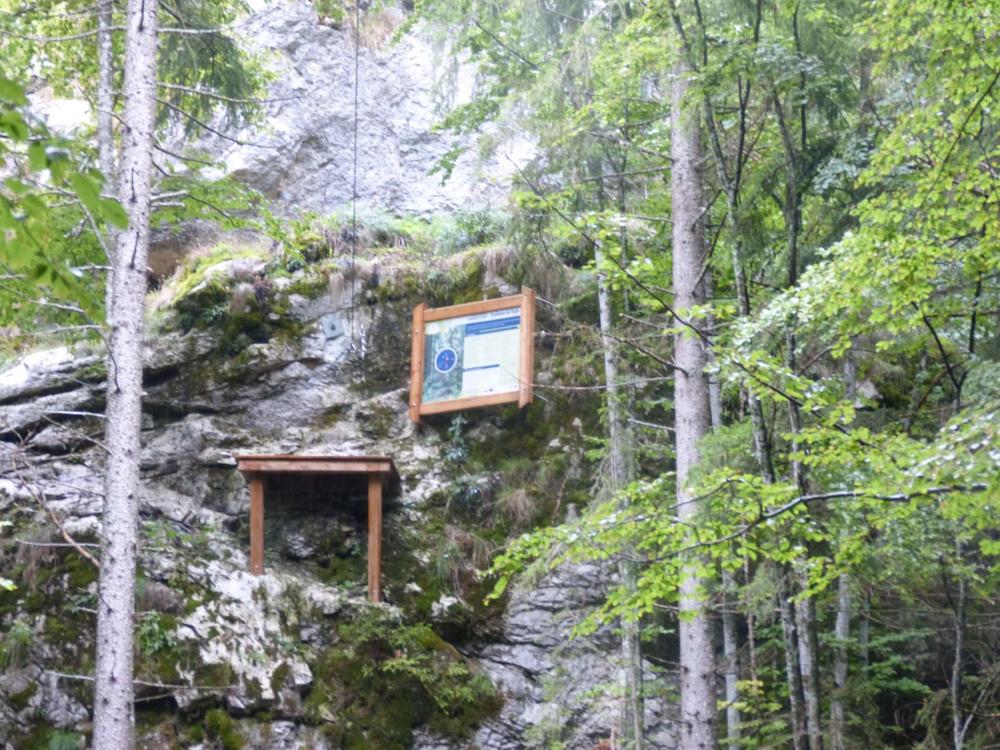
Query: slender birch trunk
[[620, 474], [114, 719], [804, 608], [751, 630], [691, 413], [842, 624], [730, 641], [805, 620]]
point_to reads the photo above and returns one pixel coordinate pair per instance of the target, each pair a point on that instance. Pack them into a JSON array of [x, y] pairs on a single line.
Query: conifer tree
[[114, 721], [203, 72]]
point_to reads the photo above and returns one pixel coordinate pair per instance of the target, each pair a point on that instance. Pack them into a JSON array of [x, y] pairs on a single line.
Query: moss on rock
[[219, 726], [383, 678], [19, 701]]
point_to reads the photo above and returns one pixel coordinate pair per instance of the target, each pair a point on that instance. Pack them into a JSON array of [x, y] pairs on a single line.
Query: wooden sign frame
[[525, 301]]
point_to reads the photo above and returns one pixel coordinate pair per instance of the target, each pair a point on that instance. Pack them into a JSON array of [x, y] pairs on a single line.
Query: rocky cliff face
[[296, 658], [302, 155], [300, 151]]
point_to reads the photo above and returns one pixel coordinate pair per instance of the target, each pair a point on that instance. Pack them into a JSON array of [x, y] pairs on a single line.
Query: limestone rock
[[304, 157], [547, 676], [284, 735], [42, 694], [258, 636], [46, 371], [240, 627]]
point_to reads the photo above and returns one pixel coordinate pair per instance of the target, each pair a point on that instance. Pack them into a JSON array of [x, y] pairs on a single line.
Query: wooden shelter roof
[[270, 463]]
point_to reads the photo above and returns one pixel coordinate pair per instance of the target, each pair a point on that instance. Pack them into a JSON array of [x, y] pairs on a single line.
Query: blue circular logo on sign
[[445, 360]]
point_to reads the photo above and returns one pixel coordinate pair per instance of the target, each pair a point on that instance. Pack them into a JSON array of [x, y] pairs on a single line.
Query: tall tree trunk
[[959, 725], [805, 620], [114, 719], [751, 629], [841, 632], [805, 607], [792, 673], [691, 412], [730, 647], [842, 625], [620, 475], [730, 641], [805, 625]]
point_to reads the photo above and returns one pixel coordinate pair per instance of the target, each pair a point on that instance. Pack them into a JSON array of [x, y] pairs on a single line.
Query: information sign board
[[477, 354]]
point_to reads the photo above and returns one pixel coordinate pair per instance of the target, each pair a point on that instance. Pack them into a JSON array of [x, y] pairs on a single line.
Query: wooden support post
[[375, 537], [417, 362], [256, 523], [527, 374]]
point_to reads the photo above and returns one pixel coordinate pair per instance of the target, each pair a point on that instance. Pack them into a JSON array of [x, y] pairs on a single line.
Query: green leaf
[[36, 156], [105, 209], [12, 92], [113, 213], [87, 191]]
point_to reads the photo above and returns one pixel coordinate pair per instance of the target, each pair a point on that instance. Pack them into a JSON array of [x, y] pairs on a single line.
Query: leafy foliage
[[55, 211], [853, 156], [29, 223]]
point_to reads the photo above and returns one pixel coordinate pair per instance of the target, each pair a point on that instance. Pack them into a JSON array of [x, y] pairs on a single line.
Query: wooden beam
[[297, 457], [256, 523], [374, 538], [527, 374], [417, 362], [472, 308], [319, 466], [456, 404], [270, 463]]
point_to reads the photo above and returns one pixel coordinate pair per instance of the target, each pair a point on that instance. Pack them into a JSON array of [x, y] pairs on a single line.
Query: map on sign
[[472, 355]]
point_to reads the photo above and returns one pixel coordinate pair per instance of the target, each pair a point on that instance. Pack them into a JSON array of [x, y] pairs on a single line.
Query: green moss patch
[[384, 678], [45, 737], [19, 701], [54, 584], [219, 726]]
